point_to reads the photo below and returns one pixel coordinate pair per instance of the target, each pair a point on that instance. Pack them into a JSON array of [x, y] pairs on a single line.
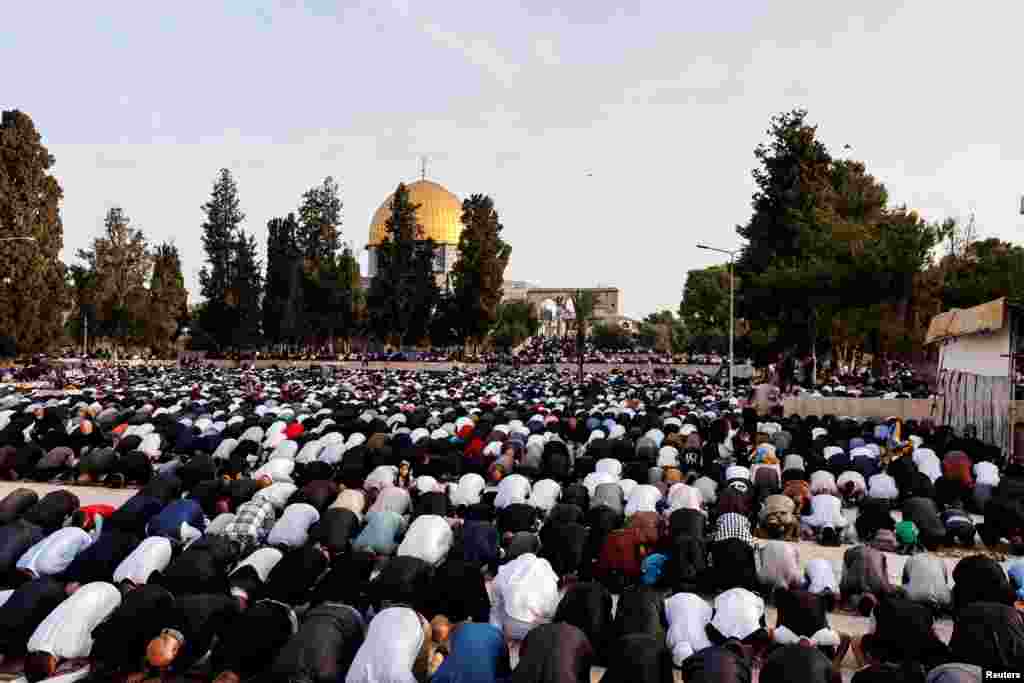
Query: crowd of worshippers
[[387, 526]]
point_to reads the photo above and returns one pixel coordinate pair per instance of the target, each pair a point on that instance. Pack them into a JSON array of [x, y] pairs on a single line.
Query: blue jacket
[[168, 522]]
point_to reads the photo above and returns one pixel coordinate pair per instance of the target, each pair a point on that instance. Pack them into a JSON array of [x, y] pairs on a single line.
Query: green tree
[[404, 294], [168, 299], [32, 277], [517, 322], [245, 292], [610, 337], [664, 332], [814, 217], [220, 236], [283, 305], [705, 308], [122, 263], [319, 234], [479, 272], [987, 270]]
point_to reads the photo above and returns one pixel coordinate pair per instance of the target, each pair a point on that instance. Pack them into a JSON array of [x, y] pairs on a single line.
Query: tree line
[[829, 266], [306, 292]]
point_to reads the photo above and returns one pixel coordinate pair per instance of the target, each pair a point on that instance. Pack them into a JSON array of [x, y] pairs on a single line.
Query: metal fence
[[970, 399]]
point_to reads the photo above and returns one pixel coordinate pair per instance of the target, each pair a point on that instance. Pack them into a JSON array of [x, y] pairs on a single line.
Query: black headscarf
[[639, 658], [989, 635], [588, 607], [726, 663], [554, 653], [796, 663]]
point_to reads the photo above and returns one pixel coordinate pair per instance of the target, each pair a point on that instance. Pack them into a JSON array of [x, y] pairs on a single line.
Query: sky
[[612, 137]]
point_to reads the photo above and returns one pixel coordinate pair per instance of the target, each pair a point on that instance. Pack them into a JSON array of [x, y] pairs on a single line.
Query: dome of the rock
[[439, 214]]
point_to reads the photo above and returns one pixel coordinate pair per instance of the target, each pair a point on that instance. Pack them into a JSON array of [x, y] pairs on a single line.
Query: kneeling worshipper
[[248, 579], [826, 520], [252, 523], [978, 578], [291, 579], [476, 654], [24, 610], [728, 663], [588, 606], [779, 565], [525, 595], [795, 663], [989, 635], [15, 539], [865, 578], [397, 649], [554, 653], [148, 561], [62, 643], [181, 521], [429, 538], [382, 533], [904, 632], [188, 629], [251, 644], [16, 503], [202, 567], [926, 580], [639, 658], [52, 555], [100, 560], [292, 529], [119, 642], [950, 673], [801, 619], [778, 518], [739, 614], [323, 648], [688, 616]]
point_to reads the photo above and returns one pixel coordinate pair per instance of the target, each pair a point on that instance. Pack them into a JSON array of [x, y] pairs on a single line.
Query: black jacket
[[323, 649]]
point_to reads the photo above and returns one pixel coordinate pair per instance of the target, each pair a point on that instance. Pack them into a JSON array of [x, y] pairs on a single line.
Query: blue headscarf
[[478, 655]]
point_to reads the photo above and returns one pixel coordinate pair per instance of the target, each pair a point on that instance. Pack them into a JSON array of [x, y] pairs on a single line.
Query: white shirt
[[823, 481], [425, 484], [278, 469], [152, 555], [986, 473], [682, 496], [66, 632], [262, 561], [53, 554], [738, 613], [381, 477], [611, 466], [277, 494], [928, 463], [688, 616], [468, 491], [821, 576], [545, 494], [219, 523], [826, 510], [515, 488], [310, 452], [883, 486], [829, 451], [331, 453], [292, 528], [393, 499], [392, 644], [285, 449], [526, 589], [429, 538], [668, 456], [644, 498], [627, 486], [224, 449]]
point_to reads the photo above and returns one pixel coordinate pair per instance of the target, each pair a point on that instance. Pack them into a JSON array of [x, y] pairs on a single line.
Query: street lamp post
[[731, 253]]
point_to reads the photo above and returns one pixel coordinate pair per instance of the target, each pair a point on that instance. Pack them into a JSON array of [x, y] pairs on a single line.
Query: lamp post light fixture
[[731, 253]]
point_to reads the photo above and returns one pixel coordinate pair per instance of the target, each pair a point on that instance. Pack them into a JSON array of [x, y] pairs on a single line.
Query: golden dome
[[439, 214]]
